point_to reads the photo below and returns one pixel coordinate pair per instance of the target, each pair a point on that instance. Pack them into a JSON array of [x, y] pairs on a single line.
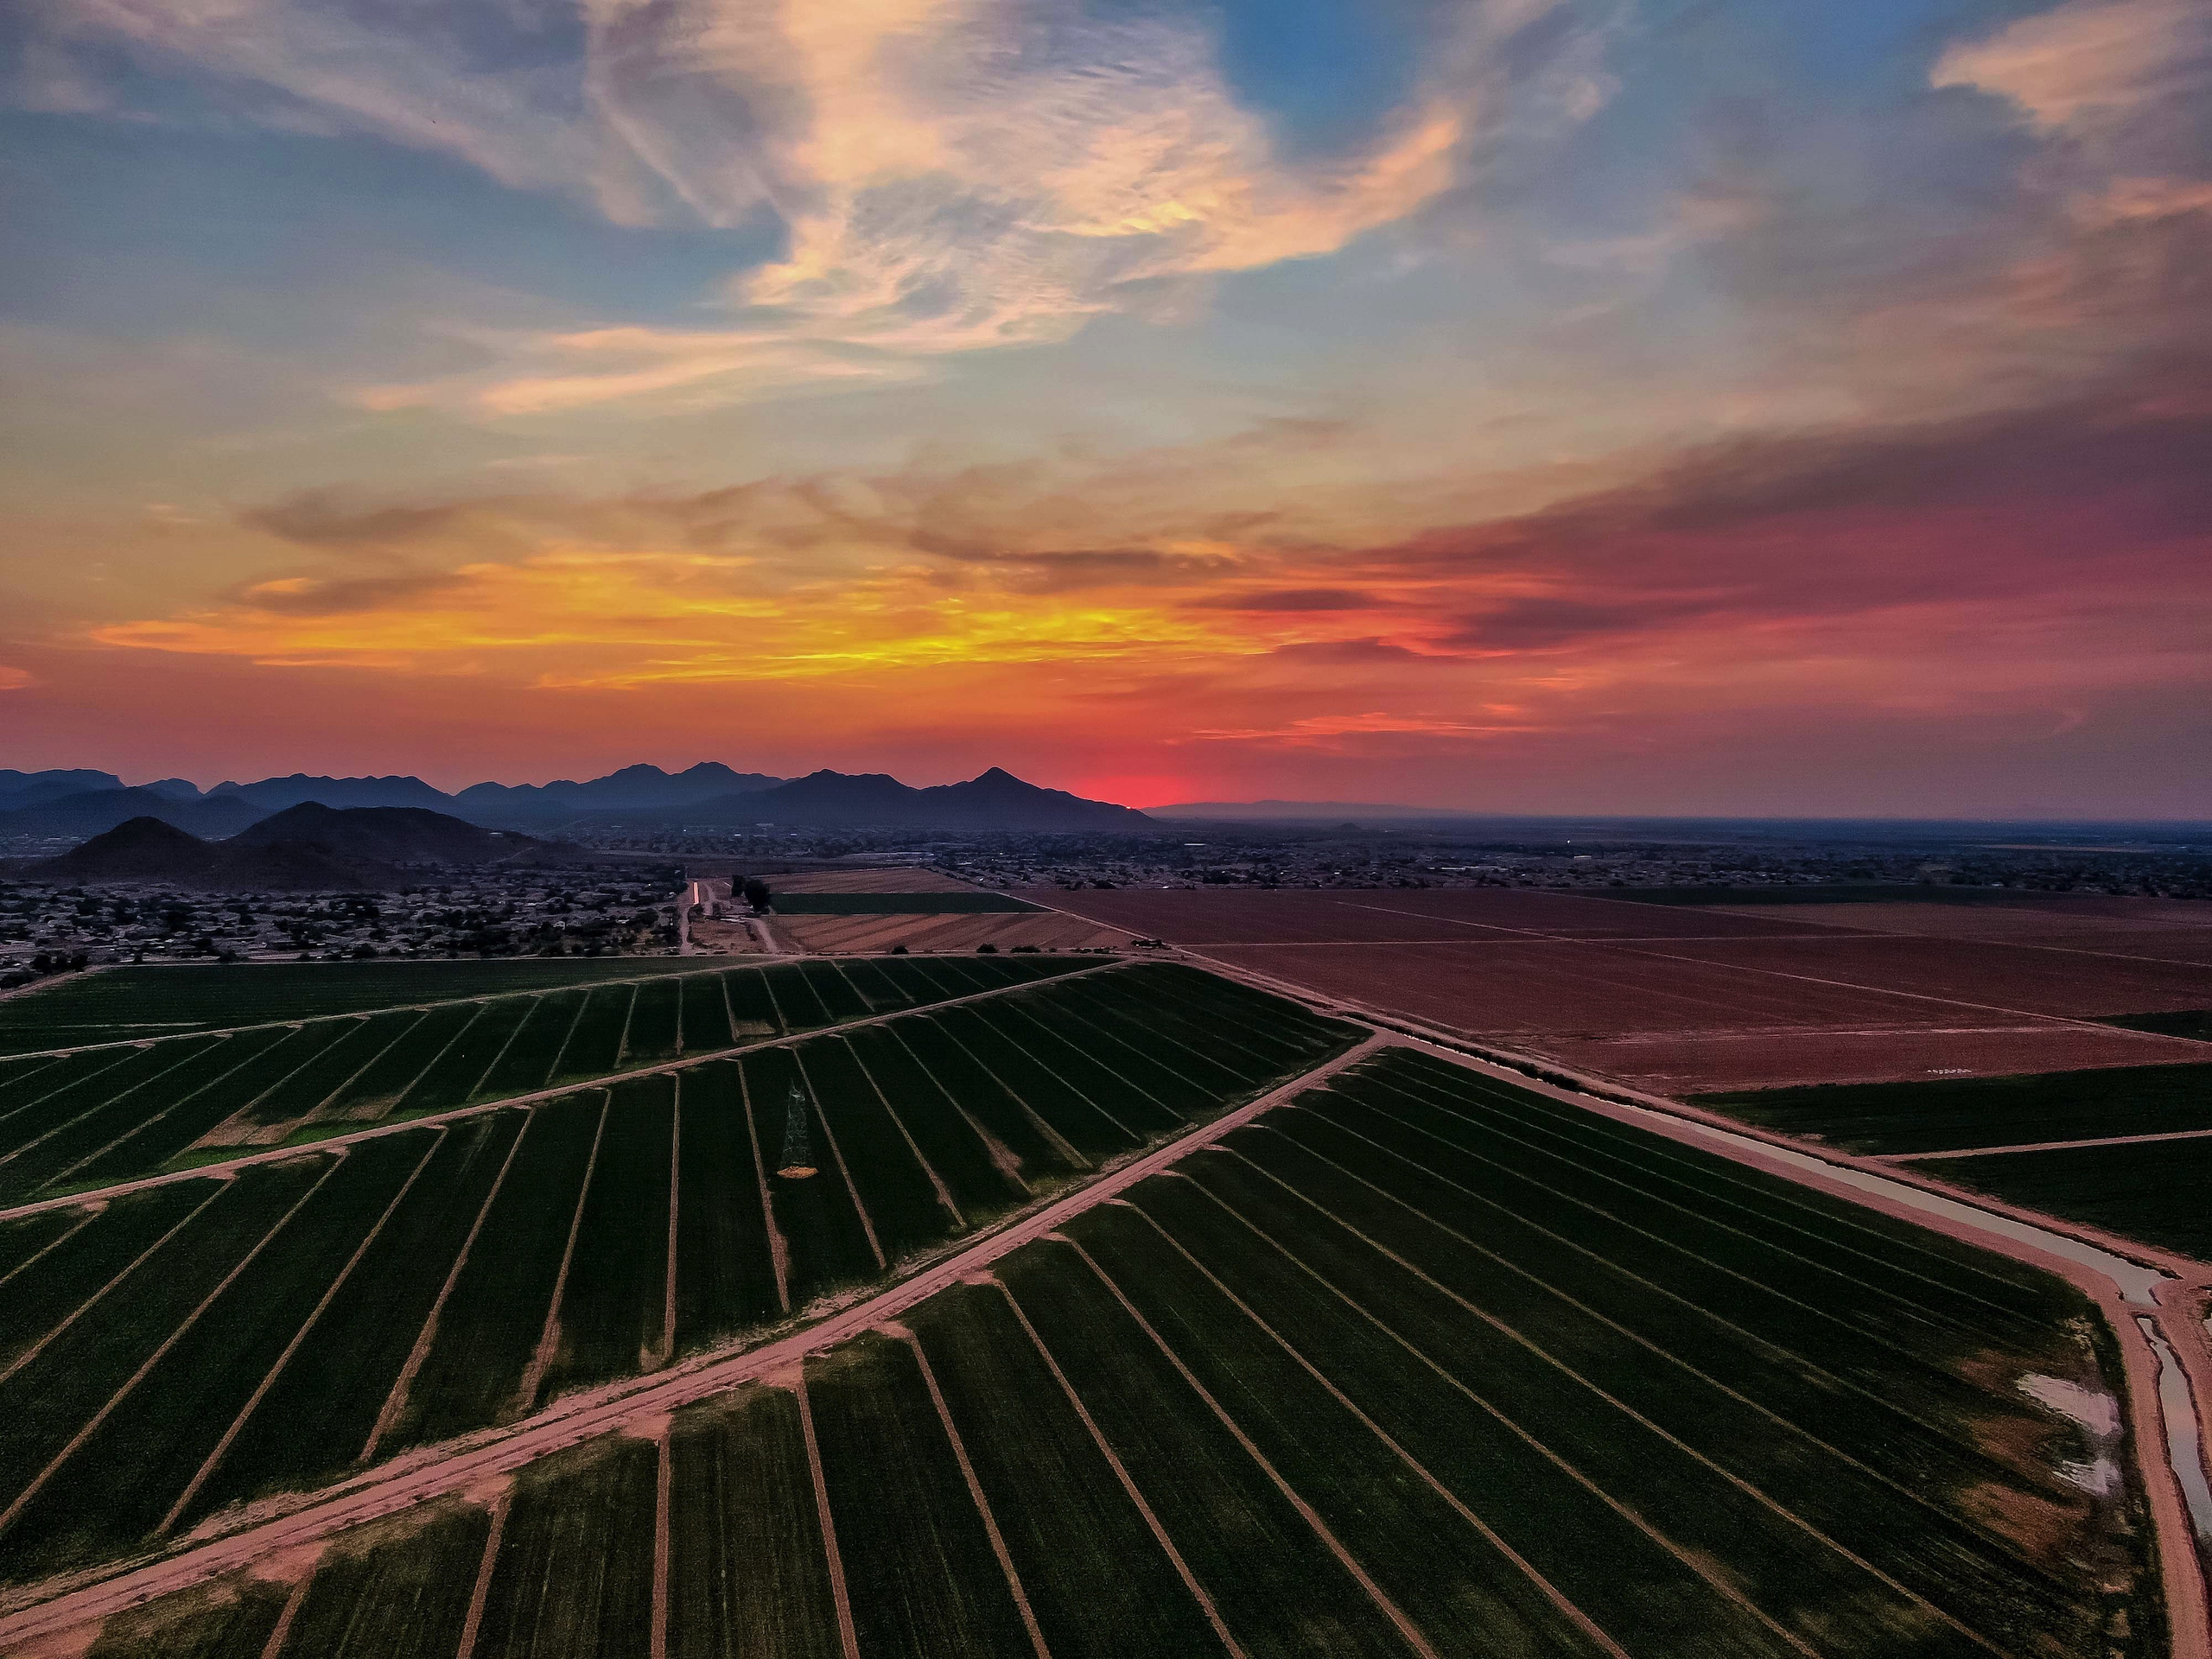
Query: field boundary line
[[548, 1335], [779, 1246], [1058, 1141], [588, 1412], [675, 1212], [1766, 1500], [1588, 1167], [22, 1499], [1688, 1559], [663, 1482], [553, 1066], [47, 1133], [847, 1635], [1015, 1043], [1648, 1285], [143, 1125], [222, 1446], [2040, 1145], [307, 1060], [396, 1402], [285, 1619], [1005, 1165], [131, 1267], [1388, 1608], [481, 1591], [860, 1209], [143, 1044], [936, 1181], [1081, 1019], [532, 1097], [444, 1049], [1198, 1591], [1128, 1083], [68, 1233], [490, 1065], [974, 1488], [1575, 1616], [1819, 1157]]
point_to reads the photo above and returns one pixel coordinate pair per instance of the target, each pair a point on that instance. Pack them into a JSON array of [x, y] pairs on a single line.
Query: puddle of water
[[2183, 1451], [2099, 1479], [2097, 1412]]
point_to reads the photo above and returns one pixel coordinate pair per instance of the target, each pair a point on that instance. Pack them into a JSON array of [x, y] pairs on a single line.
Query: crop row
[[1273, 1405], [108, 1114], [199, 1343]]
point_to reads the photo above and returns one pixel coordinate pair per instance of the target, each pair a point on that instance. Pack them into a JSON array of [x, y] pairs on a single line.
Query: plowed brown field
[[1680, 998], [1047, 929]]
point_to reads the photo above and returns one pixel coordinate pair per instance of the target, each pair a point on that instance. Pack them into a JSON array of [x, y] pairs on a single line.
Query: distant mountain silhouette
[[306, 847], [94, 811], [275, 794], [708, 793], [30, 788], [996, 800], [632, 788]]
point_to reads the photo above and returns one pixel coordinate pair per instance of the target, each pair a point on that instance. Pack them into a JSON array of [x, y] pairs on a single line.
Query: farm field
[[106, 1114], [2151, 1190], [193, 1345], [1938, 1115], [905, 878], [1686, 996], [1421, 1363], [129, 1004]]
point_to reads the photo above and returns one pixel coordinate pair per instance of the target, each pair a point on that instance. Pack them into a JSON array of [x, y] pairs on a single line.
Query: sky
[[1643, 406]]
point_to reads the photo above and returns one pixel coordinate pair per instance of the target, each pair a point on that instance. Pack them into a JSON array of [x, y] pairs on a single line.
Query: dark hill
[[146, 849], [399, 835], [138, 849], [95, 811]]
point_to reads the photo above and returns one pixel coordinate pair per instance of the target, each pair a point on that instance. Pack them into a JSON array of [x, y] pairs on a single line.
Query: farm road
[[487, 1458]]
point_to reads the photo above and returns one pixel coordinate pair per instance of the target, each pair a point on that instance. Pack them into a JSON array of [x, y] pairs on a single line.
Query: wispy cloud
[[952, 175]]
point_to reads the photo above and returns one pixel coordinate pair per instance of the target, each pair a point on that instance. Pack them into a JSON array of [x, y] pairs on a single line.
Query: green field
[[2195, 1023], [199, 1344], [129, 1004], [2152, 1190], [1421, 1363], [112, 1114], [1939, 1115], [897, 904]]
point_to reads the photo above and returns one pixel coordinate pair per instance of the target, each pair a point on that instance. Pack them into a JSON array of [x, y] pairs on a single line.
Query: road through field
[[489, 1457]]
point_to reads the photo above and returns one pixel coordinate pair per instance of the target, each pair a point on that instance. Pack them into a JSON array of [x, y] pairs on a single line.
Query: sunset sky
[[1762, 406]]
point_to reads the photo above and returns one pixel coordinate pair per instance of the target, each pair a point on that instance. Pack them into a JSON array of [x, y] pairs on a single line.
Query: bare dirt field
[[1680, 998], [1047, 929], [1972, 971], [724, 938], [1293, 916]]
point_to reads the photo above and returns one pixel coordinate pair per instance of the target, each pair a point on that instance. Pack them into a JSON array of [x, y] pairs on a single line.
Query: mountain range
[[82, 803]]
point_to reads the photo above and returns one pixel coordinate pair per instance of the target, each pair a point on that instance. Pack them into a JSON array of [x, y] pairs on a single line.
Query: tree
[[756, 892]]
